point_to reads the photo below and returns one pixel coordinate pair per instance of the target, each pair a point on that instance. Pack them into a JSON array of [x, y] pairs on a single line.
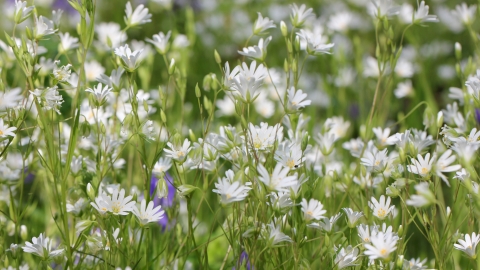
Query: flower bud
[[458, 51], [23, 232], [185, 190], [14, 250], [171, 68], [392, 191], [90, 192], [284, 28], [218, 59], [439, 119], [162, 189], [297, 44], [198, 93], [192, 136], [163, 117], [449, 211]]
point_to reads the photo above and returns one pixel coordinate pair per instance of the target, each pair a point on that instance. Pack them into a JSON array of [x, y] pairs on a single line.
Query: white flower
[[178, 152], [42, 247], [274, 235], [375, 160], [443, 163], [297, 99], [278, 180], [147, 213], [414, 264], [160, 42], [130, 59], [100, 93], [231, 190], [257, 52], [139, 16], [381, 246], [312, 209], [49, 98], [67, 42], [425, 196], [289, 155], [326, 142], [110, 35], [22, 12], [93, 70], [382, 8], [468, 245], [263, 137], [337, 126], [262, 24], [6, 131], [326, 224], [114, 80], [465, 13], [404, 89], [316, 42], [245, 81], [77, 207], [352, 217], [117, 203], [300, 14], [62, 74], [10, 98], [421, 15], [162, 166], [43, 27], [346, 257], [382, 135], [421, 166], [381, 209]]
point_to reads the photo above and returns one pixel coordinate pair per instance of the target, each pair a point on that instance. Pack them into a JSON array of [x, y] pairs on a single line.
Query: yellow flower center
[[1, 133], [383, 251], [381, 213], [424, 170], [291, 163]]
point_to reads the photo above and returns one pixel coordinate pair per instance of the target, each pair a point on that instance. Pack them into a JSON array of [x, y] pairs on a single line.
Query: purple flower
[[244, 257], [164, 202], [477, 115]]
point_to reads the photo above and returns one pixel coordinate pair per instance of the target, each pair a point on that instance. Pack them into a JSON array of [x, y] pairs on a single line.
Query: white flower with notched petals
[[147, 213], [346, 257], [415, 264], [257, 52], [43, 27], [274, 235], [77, 207], [22, 12], [297, 99], [316, 42], [231, 190], [468, 245], [42, 247], [443, 165], [278, 180], [312, 209], [100, 93], [325, 224], [50, 98], [110, 35], [421, 166], [62, 74], [382, 245], [114, 80], [10, 98], [6, 131], [67, 42], [263, 137], [117, 203], [262, 24], [375, 160], [130, 59], [136, 17], [300, 14], [160, 41], [382, 208], [382, 135], [421, 15], [161, 167], [178, 152], [352, 217], [465, 13], [424, 196]]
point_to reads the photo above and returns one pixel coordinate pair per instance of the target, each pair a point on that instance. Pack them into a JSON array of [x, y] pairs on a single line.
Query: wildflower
[[100, 93], [43, 27], [49, 98], [278, 180], [262, 24], [381, 246], [465, 13], [355, 146], [231, 190], [297, 99], [316, 42], [421, 15], [130, 59], [147, 213], [346, 257], [42, 247], [245, 81], [443, 163], [300, 14], [274, 235], [162, 166], [365, 233], [257, 52], [110, 35], [6, 131], [382, 135], [383, 8], [67, 42], [22, 12], [263, 137], [421, 166], [326, 224], [375, 160], [414, 264], [62, 74], [114, 80], [289, 155], [404, 89], [77, 207], [337, 126], [312, 209], [117, 203], [352, 217], [280, 200], [139, 16], [425, 196], [178, 152], [381, 209], [468, 245], [160, 41], [326, 142], [10, 98]]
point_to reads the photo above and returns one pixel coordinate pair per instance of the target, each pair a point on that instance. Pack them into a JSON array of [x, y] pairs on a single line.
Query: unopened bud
[[185, 190], [23, 232], [192, 136], [289, 46], [90, 192], [162, 189], [305, 140], [171, 68], [439, 119], [145, 105], [285, 66], [458, 51], [284, 28], [297, 44], [198, 93], [449, 211], [163, 117], [218, 59]]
